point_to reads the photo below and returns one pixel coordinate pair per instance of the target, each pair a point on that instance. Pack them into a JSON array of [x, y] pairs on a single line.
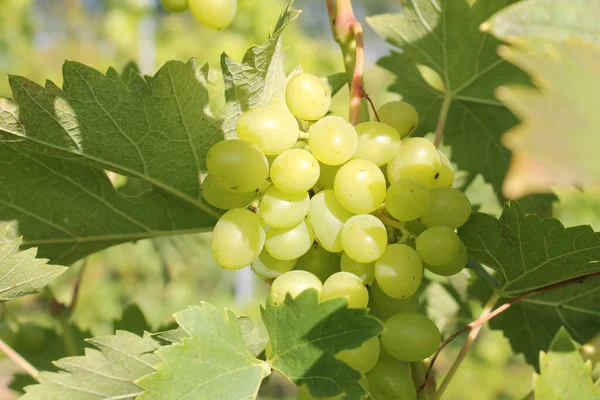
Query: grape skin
[[293, 283], [418, 160], [295, 171], [268, 267], [384, 306], [307, 97], [410, 336], [320, 262], [365, 271], [399, 271], [377, 142], [214, 14], [360, 186], [272, 129], [390, 380], [332, 140], [289, 243], [454, 266], [327, 218], [175, 5], [282, 210], [407, 200], [364, 238], [446, 176], [217, 196], [438, 245], [362, 358], [348, 286], [400, 115], [448, 207], [237, 239]]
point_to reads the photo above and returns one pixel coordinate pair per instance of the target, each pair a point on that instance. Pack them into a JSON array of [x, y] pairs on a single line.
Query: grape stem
[[348, 33], [19, 360], [366, 96], [406, 234], [485, 316], [439, 130]]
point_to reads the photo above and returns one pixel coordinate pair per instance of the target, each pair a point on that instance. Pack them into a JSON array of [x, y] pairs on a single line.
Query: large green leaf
[[528, 253], [441, 43], [210, 362], [255, 80], [306, 335], [21, 273], [564, 376], [106, 373]]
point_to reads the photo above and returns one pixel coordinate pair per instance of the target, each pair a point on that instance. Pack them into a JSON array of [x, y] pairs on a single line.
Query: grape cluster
[[355, 212], [214, 14]]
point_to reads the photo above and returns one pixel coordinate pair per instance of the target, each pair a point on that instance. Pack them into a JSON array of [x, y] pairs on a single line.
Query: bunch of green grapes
[[214, 14], [353, 212]]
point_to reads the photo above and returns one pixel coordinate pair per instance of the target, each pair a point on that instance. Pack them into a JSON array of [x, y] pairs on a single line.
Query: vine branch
[[475, 326]]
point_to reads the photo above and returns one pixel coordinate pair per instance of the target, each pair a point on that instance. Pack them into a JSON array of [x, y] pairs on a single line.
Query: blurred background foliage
[[165, 275]]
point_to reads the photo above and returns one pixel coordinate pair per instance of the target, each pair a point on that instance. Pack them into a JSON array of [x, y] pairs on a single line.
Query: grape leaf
[[554, 20], [253, 82], [211, 362], [563, 374], [305, 336], [21, 273], [109, 372], [442, 45], [528, 253]]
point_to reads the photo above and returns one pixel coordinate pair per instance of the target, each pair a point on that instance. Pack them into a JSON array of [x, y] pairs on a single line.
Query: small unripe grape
[[320, 262], [214, 14], [418, 160], [400, 115], [282, 210], [384, 306], [389, 380], [365, 271], [294, 283], [407, 200], [307, 97], [399, 271]]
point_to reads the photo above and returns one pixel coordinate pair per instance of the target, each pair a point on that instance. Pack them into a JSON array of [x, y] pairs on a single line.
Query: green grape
[[416, 227], [399, 271], [217, 196], [237, 165], [214, 14], [332, 140], [272, 129], [360, 186], [446, 175], [295, 171], [282, 210], [289, 243], [294, 283], [362, 358], [454, 266], [438, 245], [365, 271], [307, 97], [320, 262], [406, 200], [364, 238], [448, 207], [268, 267], [327, 218], [347, 286], [237, 239], [377, 142], [417, 160], [410, 336], [400, 115], [384, 306], [326, 177], [389, 380], [175, 5], [304, 394]]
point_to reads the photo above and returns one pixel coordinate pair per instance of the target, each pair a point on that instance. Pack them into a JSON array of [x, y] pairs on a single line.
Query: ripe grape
[[377, 142], [448, 207], [406, 200], [410, 336], [237, 165], [237, 239], [365, 271], [384, 306], [268, 267], [446, 175], [360, 186], [294, 283], [271, 128], [214, 14], [362, 358], [332, 140], [289, 243], [437, 246], [454, 266], [390, 380], [364, 238], [295, 171], [320, 262], [307, 97], [400, 115], [304, 394], [175, 5], [326, 177], [327, 218], [417, 160], [282, 210], [217, 196], [399, 271], [348, 286]]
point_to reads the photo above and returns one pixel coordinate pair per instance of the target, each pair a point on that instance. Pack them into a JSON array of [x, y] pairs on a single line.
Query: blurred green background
[[165, 275]]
